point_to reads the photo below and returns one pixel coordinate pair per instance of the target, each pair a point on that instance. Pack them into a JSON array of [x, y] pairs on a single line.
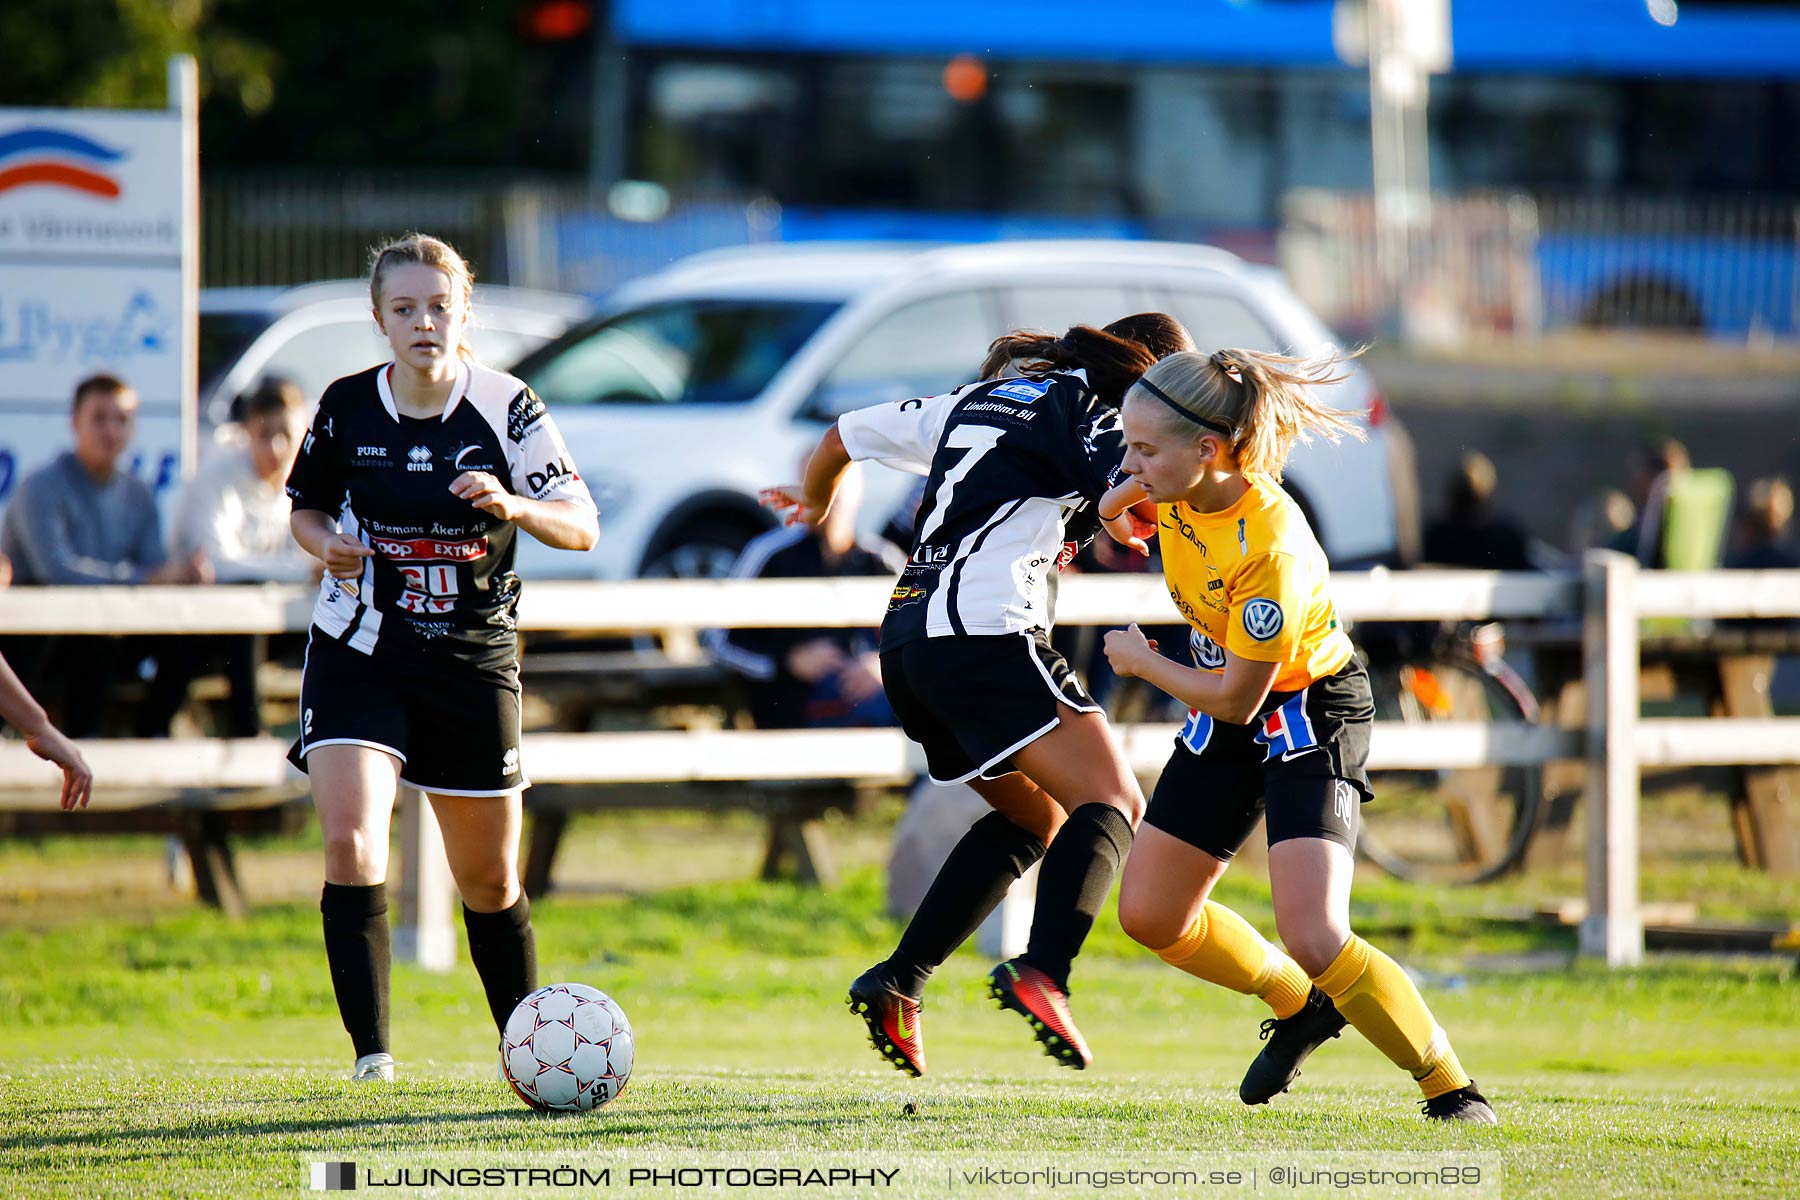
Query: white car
[[318, 332], [700, 385]]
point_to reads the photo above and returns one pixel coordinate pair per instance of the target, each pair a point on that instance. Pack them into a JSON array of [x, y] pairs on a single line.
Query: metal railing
[[281, 227], [1486, 264], [278, 227]]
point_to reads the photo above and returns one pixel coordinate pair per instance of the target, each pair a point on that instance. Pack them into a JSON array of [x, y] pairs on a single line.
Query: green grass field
[[155, 1049]]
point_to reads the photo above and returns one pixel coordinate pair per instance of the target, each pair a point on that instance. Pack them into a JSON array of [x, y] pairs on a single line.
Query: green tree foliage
[[339, 83], [115, 53]]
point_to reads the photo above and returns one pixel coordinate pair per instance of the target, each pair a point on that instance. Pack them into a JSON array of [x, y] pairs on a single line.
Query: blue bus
[[1194, 118]]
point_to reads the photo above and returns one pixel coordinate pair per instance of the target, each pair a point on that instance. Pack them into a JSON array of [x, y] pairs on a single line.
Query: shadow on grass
[[662, 1122]]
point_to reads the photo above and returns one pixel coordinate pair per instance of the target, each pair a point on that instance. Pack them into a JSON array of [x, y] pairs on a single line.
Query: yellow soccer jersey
[[1252, 579]]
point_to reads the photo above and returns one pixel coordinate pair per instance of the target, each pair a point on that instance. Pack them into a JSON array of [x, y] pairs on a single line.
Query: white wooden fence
[[1608, 597]]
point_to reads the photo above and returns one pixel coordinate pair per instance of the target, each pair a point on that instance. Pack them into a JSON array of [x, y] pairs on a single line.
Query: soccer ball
[[568, 1047]]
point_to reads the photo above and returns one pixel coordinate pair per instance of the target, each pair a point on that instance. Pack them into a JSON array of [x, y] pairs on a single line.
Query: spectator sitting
[[234, 514], [1470, 533], [1601, 521], [811, 678], [1765, 542], [81, 520]]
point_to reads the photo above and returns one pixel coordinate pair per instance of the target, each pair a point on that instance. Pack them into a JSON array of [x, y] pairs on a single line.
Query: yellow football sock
[[1221, 947], [1376, 996]]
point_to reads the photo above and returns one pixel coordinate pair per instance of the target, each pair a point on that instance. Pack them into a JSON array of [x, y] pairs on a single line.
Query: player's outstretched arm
[[811, 499], [1120, 497], [1123, 520], [44, 739]]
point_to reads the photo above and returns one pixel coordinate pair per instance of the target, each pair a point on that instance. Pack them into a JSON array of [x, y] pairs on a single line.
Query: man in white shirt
[[233, 515], [235, 510]]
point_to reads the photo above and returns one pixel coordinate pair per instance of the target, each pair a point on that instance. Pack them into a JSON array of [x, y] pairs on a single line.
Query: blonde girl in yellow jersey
[[1278, 723]]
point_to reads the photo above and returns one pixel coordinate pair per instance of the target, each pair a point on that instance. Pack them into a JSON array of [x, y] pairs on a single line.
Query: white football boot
[[373, 1068]]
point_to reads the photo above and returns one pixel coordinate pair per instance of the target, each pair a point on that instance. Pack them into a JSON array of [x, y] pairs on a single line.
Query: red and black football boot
[[893, 1019], [1018, 985]]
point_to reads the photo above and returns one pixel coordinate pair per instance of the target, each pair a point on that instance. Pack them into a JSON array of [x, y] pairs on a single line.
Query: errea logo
[[420, 459]]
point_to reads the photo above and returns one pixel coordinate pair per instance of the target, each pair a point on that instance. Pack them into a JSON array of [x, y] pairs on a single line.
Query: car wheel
[[705, 549]]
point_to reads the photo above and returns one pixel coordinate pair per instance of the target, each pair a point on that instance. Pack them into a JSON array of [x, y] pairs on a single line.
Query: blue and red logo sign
[[40, 156]]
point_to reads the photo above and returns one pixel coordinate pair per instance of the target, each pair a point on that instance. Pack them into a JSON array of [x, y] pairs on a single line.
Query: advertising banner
[[93, 208]]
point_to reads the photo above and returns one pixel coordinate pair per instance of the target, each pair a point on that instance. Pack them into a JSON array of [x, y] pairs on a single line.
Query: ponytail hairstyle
[[1112, 363], [1159, 333], [1260, 404], [428, 251]]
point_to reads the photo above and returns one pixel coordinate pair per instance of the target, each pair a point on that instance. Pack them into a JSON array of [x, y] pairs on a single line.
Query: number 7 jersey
[[439, 587], [1010, 466]]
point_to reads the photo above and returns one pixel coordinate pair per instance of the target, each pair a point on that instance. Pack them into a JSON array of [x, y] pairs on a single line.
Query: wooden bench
[[1728, 669], [796, 846], [584, 686], [792, 778], [204, 792]]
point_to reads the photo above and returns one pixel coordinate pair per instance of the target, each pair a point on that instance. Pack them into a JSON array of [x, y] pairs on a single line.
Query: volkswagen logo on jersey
[[1262, 618], [1208, 655]]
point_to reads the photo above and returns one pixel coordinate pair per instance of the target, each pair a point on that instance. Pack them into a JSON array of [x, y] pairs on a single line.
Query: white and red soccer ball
[[567, 1047]]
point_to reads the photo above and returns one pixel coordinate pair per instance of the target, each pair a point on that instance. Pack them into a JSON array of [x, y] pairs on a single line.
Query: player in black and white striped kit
[[412, 486], [1014, 468]]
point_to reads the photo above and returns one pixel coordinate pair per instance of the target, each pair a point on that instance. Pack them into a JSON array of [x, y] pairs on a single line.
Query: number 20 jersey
[[1010, 467], [440, 587]]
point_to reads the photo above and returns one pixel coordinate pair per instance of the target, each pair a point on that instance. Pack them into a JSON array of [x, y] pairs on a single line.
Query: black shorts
[[455, 733], [972, 702], [1303, 761]]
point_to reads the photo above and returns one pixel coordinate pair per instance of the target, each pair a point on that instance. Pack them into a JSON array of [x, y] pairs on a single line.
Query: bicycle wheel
[[1454, 826]]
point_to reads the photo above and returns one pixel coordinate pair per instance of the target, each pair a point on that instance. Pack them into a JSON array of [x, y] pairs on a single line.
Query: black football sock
[[973, 880], [356, 946], [1077, 874], [504, 951]]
